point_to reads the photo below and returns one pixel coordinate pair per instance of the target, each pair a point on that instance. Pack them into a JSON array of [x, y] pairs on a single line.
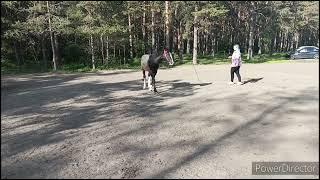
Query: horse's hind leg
[[144, 79]]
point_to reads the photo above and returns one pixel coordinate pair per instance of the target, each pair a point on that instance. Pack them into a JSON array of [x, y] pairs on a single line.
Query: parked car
[[305, 52]]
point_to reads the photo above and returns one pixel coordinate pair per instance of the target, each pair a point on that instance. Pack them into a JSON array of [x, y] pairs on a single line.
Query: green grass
[[9, 68], [187, 59], [223, 59]]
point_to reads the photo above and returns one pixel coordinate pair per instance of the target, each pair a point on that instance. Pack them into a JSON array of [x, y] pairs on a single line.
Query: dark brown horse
[[150, 63]]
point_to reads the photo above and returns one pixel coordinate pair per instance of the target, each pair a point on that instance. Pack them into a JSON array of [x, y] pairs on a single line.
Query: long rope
[[196, 72]]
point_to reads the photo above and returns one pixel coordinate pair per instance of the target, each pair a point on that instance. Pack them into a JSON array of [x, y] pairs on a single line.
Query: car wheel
[[292, 57], [316, 56]]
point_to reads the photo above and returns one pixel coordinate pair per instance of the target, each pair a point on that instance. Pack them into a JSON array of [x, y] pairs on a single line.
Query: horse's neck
[[157, 59]]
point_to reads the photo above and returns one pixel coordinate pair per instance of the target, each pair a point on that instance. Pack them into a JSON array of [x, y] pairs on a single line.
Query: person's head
[[167, 56], [236, 47]]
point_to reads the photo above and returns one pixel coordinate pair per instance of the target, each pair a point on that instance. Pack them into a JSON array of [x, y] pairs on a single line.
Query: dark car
[[306, 52]]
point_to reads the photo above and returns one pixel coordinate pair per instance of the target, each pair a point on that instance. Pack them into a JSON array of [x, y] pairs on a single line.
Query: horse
[[150, 63]]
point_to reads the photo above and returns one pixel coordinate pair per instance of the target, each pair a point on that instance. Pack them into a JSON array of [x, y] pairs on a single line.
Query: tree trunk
[[35, 53], [107, 49], [287, 42], [246, 42], [158, 40], [44, 55], [213, 42], [92, 52], [259, 44], [291, 42], [222, 34], [250, 51], [198, 41], [275, 42], [114, 50], [296, 40], [195, 40], [271, 45], [180, 45], [22, 55], [179, 37], [284, 42], [206, 41], [281, 41], [144, 27], [102, 49], [124, 54], [120, 56], [175, 31], [230, 40], [202, 42], [16, 54], [152, 27], [167, 23], [187, 29], [52, 41], [135, 40], [217, 44], [188, 45], [58, 55], [130, 36]]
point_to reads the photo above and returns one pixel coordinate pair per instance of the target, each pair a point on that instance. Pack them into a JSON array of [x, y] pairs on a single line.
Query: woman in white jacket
[[235, 64]]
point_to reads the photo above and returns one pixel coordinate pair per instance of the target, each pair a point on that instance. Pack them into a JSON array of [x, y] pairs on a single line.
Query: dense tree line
[[99, 33]]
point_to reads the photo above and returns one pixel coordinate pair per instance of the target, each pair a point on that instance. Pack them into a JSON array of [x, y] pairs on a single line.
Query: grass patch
[[223, 59], [268, 58], [8, 68], [134, 64], [187, 59]]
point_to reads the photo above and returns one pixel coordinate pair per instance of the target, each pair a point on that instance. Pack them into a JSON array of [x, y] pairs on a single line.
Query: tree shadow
[[10, 83], [185, 84], [48, 126], [59, 111], [305, 96]]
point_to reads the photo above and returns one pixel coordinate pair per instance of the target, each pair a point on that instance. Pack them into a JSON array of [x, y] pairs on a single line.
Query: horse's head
[[167, 56]]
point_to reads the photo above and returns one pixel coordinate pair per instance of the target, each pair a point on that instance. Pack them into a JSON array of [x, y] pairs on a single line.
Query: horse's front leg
[[144, 79]]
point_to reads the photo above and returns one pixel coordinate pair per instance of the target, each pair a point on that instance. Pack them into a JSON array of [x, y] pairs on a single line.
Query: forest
[[42, 36]]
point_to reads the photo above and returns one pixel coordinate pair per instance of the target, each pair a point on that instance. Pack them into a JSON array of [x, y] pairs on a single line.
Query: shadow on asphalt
[[252, 80]]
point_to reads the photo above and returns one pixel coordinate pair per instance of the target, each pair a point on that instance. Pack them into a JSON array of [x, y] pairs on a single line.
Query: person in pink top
[[235, 64]]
